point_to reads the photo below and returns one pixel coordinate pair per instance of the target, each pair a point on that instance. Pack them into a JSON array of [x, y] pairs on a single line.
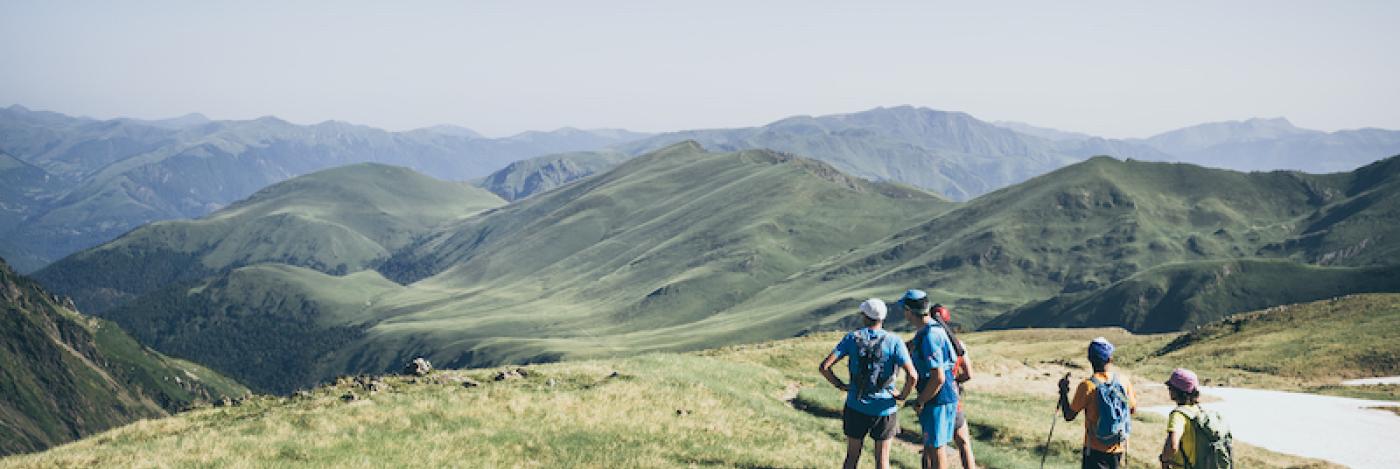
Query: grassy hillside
[[275, 327], [1308, 347], [638, 258], [525, 178], [65, 375], [336, 221], [1092, 225], [1357, 226], [751, 406], [1174, 297]]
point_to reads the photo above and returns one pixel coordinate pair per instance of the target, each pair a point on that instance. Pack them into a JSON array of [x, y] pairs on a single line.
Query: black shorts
[[858, 425], [1101, 460]]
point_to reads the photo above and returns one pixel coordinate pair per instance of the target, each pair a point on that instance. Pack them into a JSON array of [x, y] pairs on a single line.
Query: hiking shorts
[[1100, 460], [858, 425], [937, 423]]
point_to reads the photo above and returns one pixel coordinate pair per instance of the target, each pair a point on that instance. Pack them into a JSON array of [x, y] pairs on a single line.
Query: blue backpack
[[1115, 418], [871, 375]]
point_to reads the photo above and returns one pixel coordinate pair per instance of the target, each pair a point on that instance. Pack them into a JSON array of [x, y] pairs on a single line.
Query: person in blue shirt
[[876, 356], [934, 359]]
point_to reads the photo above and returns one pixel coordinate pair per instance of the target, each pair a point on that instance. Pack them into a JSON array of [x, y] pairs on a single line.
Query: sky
[[1109, 68]]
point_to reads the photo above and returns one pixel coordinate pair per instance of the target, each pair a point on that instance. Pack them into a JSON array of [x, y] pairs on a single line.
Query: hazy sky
[[1113, 68]]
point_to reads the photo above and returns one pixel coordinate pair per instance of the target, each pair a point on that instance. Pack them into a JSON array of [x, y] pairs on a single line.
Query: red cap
[[943, 313]]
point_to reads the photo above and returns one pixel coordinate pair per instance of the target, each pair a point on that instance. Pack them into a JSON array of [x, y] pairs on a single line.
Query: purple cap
[[1183, 380]]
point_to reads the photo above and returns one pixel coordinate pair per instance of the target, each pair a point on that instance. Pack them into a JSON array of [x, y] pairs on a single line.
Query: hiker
[[962, 373], [934, 358], [1196, 438], [1108, 402], [876, 357]]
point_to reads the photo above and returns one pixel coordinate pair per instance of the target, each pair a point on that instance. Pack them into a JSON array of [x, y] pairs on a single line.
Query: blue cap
[[1100, 350], [914, 295]]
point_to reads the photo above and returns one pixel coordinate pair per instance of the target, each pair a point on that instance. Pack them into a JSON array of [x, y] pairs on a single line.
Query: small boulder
[[376, 386], [550, 383], [349, 397], [303, 394], [507, 375], [418, 367], [470, 383], [614, 374]]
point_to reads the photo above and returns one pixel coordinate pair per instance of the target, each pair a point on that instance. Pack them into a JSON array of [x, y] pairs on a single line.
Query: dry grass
[[720, 408]]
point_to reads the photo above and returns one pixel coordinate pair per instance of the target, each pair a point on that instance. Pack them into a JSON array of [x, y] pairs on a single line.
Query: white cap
[[874, 309]]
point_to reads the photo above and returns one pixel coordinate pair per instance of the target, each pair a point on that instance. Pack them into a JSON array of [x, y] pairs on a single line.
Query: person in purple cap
[[1195, 438], [1108, 402], [1180, 443]]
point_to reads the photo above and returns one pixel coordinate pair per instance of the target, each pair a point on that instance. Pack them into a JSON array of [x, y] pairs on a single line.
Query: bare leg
[[852, 453], [882, 453], [963, 438], [940, 458]]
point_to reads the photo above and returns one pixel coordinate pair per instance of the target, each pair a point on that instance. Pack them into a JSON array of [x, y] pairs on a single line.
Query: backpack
[[1115, 419], [871, 376], [950, 375], [952, 336], [1214, 443]]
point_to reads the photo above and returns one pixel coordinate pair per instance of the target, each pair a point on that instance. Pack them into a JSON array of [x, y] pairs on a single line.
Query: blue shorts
[[937, 422]]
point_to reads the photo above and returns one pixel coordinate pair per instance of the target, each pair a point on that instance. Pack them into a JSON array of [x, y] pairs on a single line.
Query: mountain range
[[961, 157], [1257, 144], [683, 248], [81, 182], [103, 178]]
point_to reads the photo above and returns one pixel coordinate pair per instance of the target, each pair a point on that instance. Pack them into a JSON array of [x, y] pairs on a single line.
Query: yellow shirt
[[1085, 400], [1179, 423]]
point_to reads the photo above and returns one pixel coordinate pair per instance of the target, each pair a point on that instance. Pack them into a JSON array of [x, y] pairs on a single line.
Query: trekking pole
[[1046, 451]]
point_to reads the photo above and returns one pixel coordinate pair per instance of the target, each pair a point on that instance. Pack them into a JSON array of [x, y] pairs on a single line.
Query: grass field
[[749, 406]]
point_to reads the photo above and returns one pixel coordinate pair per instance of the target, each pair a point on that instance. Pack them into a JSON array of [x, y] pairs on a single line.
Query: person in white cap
[[876, 357]]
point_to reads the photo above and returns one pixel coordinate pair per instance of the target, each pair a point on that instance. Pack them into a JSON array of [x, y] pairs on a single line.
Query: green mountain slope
[[1078, 229], [525, 178], [65, 375], [637, 258], [1358, 227], [1180, 296], [337, 221], [633, 259], [1308, 346], [275, 327]]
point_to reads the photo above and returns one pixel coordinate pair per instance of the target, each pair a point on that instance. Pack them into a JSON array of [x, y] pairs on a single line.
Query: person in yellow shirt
[[1097, 454], [1181, 442]]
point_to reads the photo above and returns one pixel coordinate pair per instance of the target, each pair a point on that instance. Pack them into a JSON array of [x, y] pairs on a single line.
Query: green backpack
[[1214, 443]]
